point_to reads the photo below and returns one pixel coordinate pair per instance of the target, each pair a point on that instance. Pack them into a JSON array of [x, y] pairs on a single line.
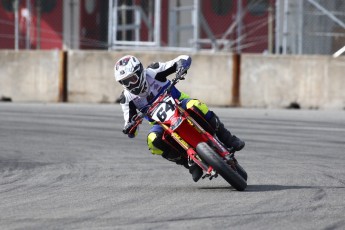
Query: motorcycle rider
[[142, 86]]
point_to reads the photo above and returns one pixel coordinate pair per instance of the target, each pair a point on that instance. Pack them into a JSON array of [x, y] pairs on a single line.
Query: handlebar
[[137, 119], [174, 81]]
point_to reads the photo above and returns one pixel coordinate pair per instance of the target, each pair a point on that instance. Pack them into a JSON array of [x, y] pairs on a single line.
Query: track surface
[[68, 166]]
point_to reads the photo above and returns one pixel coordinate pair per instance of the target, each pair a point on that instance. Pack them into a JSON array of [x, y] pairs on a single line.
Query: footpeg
[[210, 175], [213, 176]]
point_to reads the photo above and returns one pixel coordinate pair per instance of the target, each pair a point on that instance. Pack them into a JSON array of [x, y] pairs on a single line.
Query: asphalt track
[[68, 166]]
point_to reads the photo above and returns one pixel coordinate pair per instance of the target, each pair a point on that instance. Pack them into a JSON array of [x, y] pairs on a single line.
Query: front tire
[[213, 159], [241, 171]]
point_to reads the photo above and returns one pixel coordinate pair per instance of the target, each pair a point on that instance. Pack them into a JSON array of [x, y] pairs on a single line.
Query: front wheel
[[213, 159], [241, 171]]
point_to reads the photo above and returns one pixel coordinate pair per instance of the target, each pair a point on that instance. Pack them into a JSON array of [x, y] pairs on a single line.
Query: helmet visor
[[130, 82]]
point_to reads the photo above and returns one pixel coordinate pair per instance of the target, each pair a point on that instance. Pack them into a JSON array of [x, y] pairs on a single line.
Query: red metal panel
[[50, 36], [255, 29], [164, 21], [6, 28], [254, 26], [90, 28], [46, 29]]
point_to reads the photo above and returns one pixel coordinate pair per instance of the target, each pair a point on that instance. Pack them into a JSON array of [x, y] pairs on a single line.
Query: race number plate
[[165, 110]]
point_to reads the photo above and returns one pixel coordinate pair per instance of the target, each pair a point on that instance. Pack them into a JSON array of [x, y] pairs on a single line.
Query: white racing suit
[[156, 76]]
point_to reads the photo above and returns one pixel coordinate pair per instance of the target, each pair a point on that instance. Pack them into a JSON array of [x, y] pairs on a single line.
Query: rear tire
[[220, 166]]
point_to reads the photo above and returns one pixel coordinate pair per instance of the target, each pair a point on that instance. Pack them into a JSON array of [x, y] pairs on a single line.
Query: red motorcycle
[[188, 129]]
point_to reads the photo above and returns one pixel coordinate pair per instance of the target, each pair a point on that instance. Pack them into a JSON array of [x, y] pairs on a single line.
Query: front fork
[[219, 148], [192, 154], [228, 155]]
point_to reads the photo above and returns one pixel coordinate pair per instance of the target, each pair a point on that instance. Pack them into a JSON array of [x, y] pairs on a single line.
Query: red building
[[41, 24], [45, 30], [253, 33], [83, 24]]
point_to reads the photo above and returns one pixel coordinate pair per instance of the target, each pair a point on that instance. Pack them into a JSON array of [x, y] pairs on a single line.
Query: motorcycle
[[188, 129]]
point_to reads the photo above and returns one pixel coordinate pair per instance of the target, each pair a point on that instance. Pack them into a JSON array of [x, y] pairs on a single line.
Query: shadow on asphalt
[[270, 187]]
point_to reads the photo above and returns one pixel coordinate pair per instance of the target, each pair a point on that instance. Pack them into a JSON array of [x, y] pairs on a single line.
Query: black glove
[[127, 128]]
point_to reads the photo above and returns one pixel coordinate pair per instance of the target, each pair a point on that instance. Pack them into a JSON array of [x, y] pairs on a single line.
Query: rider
[[143, 86]]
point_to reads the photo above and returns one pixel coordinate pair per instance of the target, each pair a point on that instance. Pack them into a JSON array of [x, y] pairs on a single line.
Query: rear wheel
[[222, 168]]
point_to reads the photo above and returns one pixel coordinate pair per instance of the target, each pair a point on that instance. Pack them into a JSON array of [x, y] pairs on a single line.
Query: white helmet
[[129, 72]]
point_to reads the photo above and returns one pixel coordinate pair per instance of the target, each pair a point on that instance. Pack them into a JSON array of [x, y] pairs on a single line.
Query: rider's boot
[[175, 157], [224, 135], [195, 170], [158, 147]]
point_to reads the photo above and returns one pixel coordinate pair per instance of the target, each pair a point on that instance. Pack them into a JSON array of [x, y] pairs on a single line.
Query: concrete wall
[[91, 76], [278, 81], [265, 81], [30, 75]]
